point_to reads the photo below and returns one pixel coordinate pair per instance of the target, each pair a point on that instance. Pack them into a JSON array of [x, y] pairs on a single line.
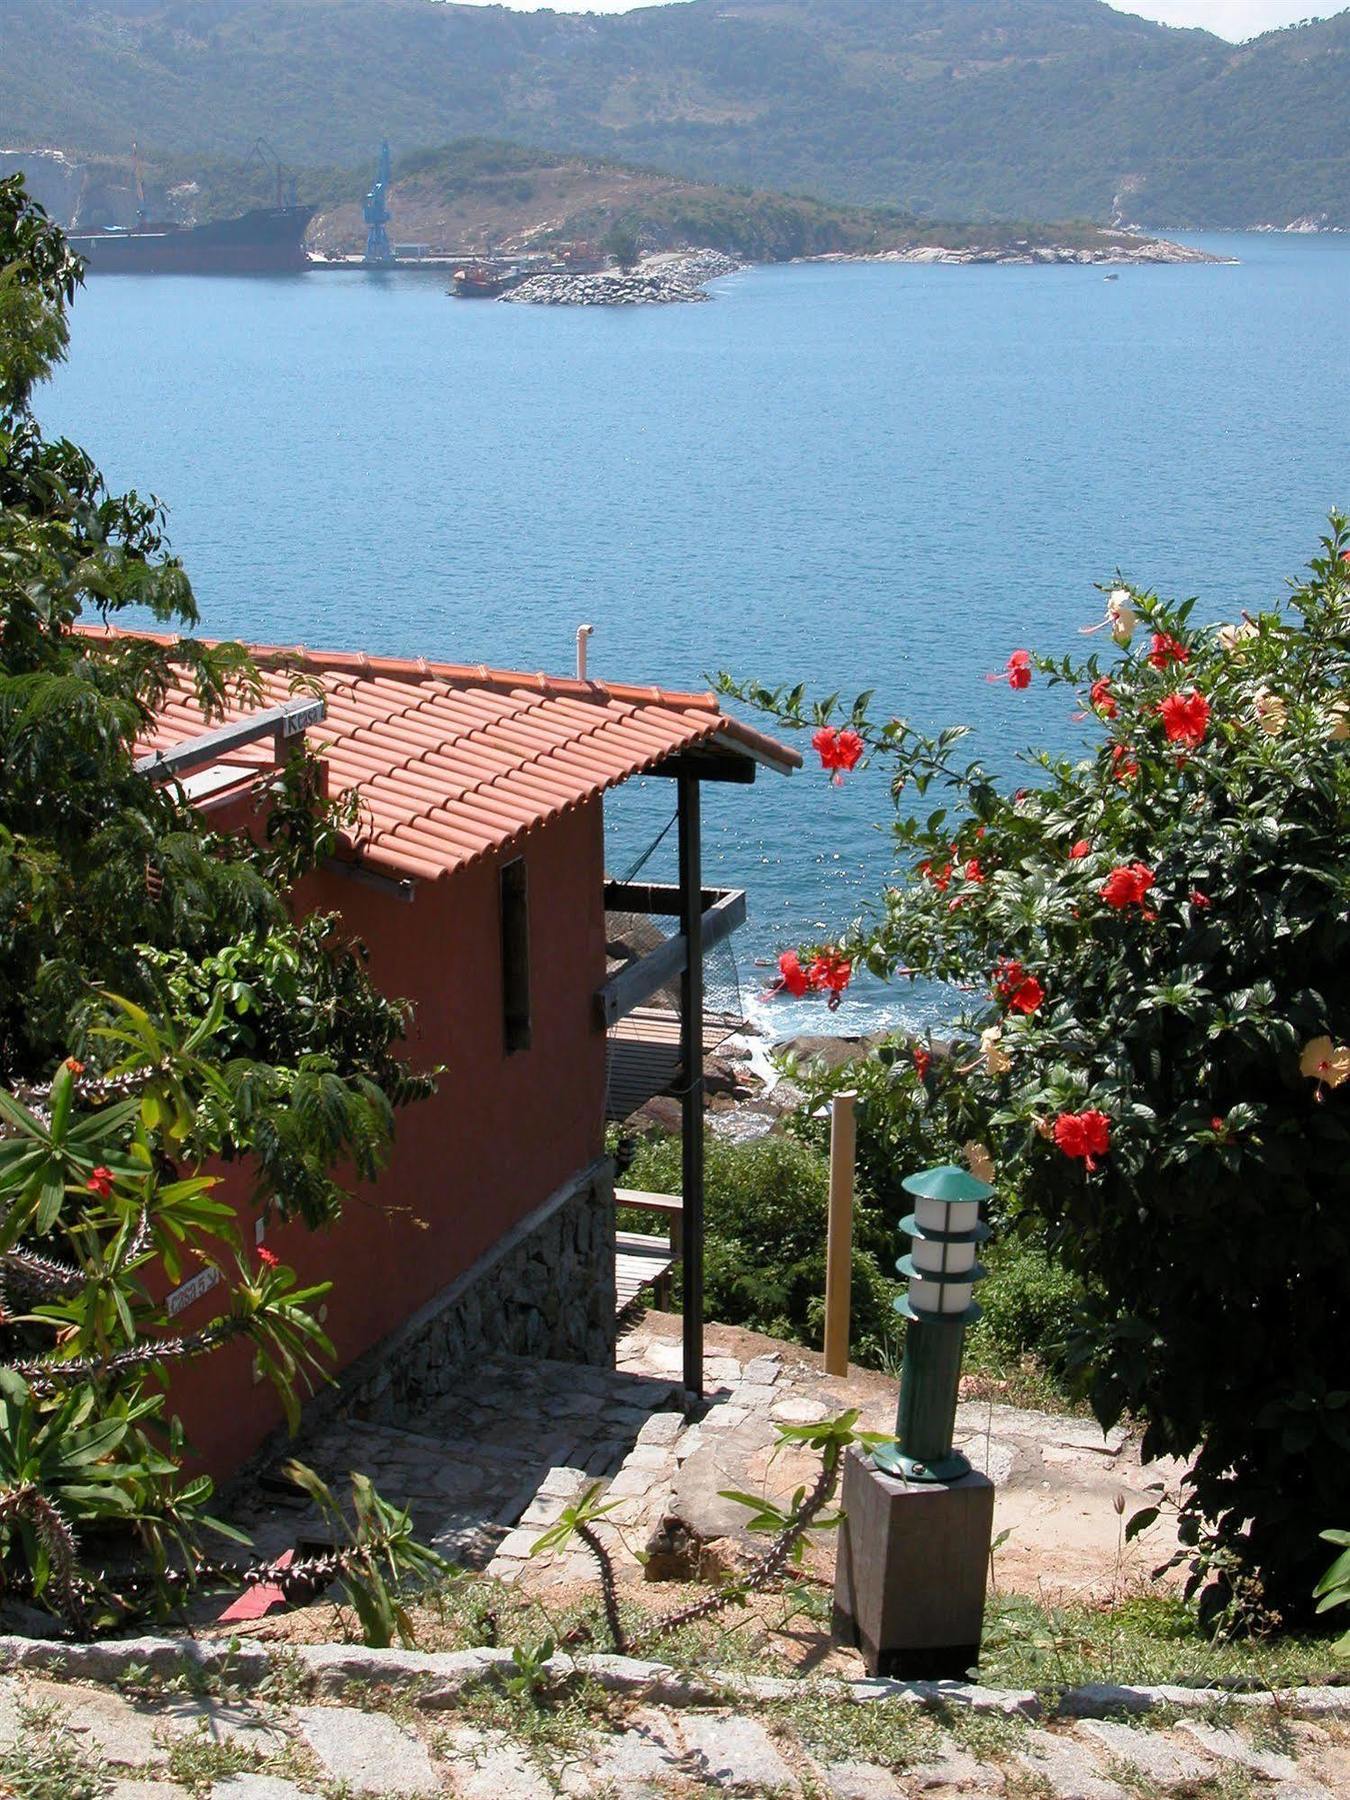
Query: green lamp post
[[938, 1304]]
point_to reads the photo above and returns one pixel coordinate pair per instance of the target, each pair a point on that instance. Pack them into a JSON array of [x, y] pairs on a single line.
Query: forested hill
[[1005, 108]]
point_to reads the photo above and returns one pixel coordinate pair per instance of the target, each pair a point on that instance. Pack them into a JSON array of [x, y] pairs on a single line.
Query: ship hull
[[269, 240]]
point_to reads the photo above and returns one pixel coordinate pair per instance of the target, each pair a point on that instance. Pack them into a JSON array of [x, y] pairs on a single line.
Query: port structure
[[376, 213]]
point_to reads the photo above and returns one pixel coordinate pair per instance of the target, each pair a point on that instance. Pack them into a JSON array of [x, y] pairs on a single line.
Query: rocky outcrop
[[1130, 251], [664, 281]]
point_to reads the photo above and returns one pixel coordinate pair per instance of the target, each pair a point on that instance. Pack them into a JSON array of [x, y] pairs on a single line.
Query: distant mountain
[[997, 108]]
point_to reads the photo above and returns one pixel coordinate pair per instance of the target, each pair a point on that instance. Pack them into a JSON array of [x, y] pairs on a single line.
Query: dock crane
[[376, 212]]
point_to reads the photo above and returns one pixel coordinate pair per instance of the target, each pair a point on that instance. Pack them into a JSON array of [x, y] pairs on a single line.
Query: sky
[[1235, 19]]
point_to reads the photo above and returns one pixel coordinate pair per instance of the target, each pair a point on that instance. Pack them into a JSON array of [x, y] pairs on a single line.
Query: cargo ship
[[267, 240]]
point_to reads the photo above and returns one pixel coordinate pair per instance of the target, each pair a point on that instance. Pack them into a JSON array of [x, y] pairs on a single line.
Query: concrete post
[[913, 1563]]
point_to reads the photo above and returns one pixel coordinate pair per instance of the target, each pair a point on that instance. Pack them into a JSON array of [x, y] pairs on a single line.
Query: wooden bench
[[643, 1260]]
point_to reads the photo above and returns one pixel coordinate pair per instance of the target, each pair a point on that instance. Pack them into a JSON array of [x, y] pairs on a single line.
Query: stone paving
[[1060, 1480], [389, 1740], [486, 1467], [471, 1463]]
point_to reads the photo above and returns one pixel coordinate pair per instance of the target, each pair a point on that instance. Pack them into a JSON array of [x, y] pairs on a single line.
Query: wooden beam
[[839, 1232], [371, 878], [706, 765], [641, 979], [658, 898], [691, 1076]]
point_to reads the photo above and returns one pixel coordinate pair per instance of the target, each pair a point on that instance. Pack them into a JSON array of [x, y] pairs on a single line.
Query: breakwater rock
[[661, 281]]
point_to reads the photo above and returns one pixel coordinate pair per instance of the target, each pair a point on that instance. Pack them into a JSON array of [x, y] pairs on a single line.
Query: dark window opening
[[515, 956]]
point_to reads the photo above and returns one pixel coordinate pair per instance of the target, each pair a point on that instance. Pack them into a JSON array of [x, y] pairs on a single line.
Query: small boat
[[484, 281], [1110, 278]]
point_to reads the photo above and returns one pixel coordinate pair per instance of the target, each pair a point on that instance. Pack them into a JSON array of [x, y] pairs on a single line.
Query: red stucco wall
[[502, 1133]]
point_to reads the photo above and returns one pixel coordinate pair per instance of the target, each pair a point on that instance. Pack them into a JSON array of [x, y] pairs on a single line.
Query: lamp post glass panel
[[938, 1304]]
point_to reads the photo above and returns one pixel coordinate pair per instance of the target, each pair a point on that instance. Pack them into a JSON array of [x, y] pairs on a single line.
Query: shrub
[[1156, 1058], [1029, 1303], [764, 1243]]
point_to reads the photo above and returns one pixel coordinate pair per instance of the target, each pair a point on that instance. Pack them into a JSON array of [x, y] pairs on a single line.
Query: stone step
[[641, 1488]]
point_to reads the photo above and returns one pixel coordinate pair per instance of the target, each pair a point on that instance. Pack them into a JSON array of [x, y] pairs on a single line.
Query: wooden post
[[691, 1081], [839, 1233]]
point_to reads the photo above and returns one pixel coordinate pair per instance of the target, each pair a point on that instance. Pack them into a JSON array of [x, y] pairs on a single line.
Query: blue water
[[860, 476]]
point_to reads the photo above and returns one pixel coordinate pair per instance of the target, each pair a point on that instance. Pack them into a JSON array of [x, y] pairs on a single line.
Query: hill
[[1006, 108], [480, 195]]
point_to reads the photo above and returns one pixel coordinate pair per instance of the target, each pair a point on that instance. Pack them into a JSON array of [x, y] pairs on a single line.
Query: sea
[[856, 476]]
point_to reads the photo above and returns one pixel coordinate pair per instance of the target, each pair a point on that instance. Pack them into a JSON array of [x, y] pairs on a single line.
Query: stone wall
[[546, 1288]]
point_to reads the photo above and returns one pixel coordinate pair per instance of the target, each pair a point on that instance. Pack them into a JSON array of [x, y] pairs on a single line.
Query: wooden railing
[[723, 912]]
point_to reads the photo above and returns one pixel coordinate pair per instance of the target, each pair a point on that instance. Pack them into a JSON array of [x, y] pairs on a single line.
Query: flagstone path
[[488, 1467], [390, 1737]]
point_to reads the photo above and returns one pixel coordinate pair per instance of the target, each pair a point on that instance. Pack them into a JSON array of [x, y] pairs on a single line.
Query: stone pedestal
[[913, 1561]]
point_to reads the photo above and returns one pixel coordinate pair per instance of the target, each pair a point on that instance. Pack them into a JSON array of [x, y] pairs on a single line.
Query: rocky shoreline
[[681, 279], [1026, 254], [660, 281]]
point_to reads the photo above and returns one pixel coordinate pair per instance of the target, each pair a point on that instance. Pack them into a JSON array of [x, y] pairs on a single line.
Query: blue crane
[[376, 212]]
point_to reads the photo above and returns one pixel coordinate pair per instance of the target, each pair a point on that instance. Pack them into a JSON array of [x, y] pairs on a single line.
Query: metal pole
[[839, 1233], [691, 1063]]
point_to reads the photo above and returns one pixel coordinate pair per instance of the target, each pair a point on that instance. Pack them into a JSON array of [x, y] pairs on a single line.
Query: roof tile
[[453, 762]]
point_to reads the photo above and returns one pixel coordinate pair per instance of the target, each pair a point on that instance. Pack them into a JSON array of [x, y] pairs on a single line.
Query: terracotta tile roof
[[453, 762]]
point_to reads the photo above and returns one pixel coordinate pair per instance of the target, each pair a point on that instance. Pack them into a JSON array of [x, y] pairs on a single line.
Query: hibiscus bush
[[1148, 948]]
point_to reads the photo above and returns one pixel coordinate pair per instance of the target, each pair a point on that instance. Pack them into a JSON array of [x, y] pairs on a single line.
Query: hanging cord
[[651, 849]]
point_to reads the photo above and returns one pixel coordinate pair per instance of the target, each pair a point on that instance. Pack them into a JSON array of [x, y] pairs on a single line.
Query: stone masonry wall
[[544, 1289]]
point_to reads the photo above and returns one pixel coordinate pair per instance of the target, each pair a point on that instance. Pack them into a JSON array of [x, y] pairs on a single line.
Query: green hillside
[[995, 108]]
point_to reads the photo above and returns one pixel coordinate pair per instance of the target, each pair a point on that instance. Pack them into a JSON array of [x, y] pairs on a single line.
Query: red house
[[477, 881]]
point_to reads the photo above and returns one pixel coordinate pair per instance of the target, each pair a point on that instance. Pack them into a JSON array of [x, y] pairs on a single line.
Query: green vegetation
[[159, 1014], [621, 242], [1153, 1061], [1013, 108], [764, 1259], [764, 1250]]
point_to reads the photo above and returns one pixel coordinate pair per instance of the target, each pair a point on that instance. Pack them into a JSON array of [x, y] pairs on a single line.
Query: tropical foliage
[[160, 1013], [1153, 1053]]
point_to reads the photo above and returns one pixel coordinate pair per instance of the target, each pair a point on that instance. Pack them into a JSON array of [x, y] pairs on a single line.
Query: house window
[[515, 908]]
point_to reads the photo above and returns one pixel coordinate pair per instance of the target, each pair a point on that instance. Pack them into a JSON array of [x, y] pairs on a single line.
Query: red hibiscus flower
[[75, 1066], [1027, 997], [1019, 991], [1127, 886], [1218, 1124], [1018, 669], [792, 977], [1199, 899], [1123, 764], [940, 878], [839, 751], [923, 1061], [1167, 649], [1185, 718], [973, 871], [1101, 699], [1081, 849], [268, 1258], [1085, 1135], [100, 1182], [831, 974]]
